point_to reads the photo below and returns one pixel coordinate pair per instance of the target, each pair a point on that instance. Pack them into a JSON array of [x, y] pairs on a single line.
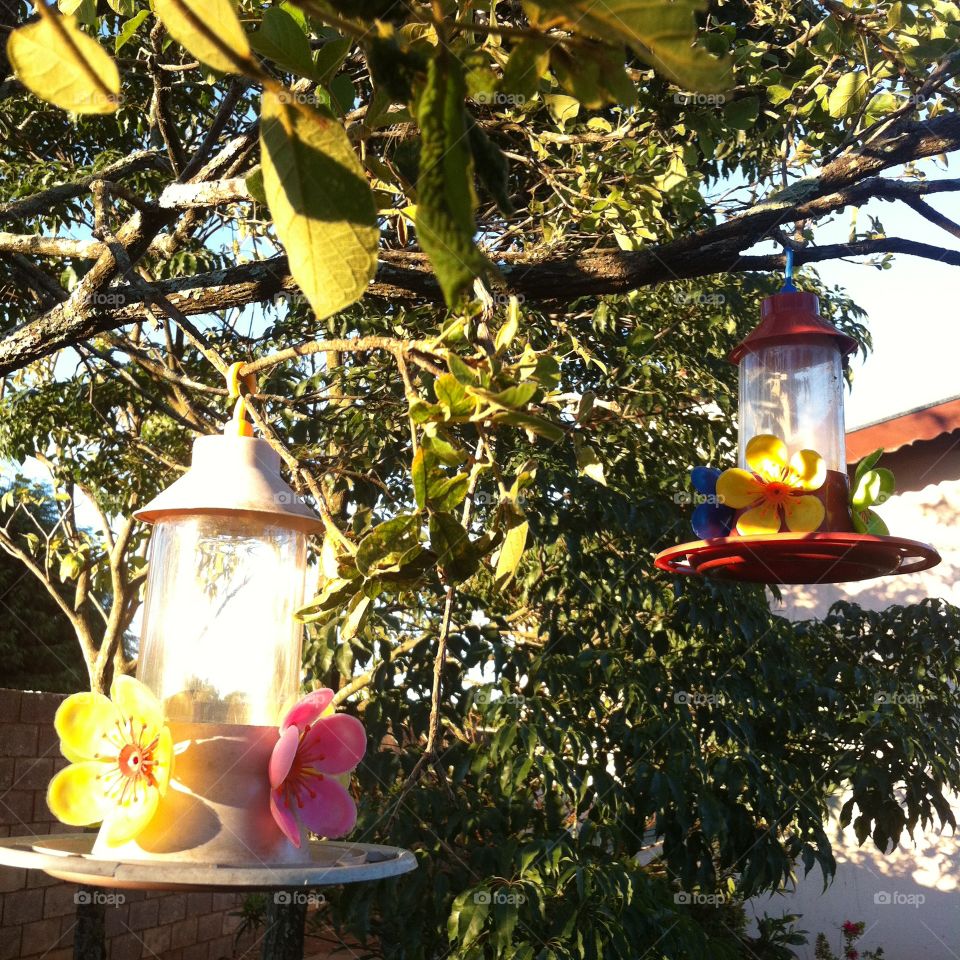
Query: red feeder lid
[[790, 316]]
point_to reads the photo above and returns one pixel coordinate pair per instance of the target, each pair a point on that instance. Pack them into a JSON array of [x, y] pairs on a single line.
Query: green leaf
[[531, 423], [589, 465], [661, 33], [512, 398], [418, 472], [284, 41], [464, 373], [742, 114], [493, 170], [457, 555], [511, 552], [126, 33], [867, 521], [529, 61], [353, 620], [84, 10], [334, 594], [445, 493], [329, 58], [562, 108], [867, 463], [849, 95], [254, 182], [322, 206], [452, 396], [444, 451], [56, 61], [386, 544], [70, 567], [445, 200], [874, 487], [192, 22], [506, 334]]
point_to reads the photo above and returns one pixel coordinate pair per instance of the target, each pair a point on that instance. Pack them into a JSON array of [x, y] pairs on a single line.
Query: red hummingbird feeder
[[784, 515]]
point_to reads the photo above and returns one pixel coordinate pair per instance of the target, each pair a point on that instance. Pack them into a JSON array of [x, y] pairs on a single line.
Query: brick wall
[[37, 912]]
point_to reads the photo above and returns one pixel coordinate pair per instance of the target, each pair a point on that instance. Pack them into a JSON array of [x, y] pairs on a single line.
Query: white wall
[[909, 898]]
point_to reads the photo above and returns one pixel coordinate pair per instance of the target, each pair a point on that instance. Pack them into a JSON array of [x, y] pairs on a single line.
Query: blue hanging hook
[[788, 285]]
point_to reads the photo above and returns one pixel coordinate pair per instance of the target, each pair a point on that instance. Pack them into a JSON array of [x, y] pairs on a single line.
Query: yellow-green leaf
[[54, 59], [589, 464], [322, 206], [514, 544], [849, 95], [220, 45], [662, 33]]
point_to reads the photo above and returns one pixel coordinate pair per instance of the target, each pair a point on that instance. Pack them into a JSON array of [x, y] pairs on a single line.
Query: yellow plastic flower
[[774, 488], [121, 757]]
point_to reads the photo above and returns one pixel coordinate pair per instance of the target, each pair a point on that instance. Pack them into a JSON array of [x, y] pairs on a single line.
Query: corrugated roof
[[891, 433]]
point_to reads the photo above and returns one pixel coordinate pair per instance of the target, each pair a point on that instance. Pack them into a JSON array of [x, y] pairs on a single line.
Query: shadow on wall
[[931, 515], [907, 897]]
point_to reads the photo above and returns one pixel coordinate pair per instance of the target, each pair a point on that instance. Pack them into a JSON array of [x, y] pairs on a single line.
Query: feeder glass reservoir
[[220, 643], [795, 391]]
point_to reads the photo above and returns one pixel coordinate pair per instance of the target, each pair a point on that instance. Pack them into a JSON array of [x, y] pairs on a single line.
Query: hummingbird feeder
[[209, 770], [785, 514]]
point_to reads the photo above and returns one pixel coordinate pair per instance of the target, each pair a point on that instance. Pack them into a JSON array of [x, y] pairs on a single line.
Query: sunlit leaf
[[322, 206], [208, 29], [54, 59]]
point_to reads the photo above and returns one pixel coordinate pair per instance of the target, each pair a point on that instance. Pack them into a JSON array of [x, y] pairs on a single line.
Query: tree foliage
[[503, 363]]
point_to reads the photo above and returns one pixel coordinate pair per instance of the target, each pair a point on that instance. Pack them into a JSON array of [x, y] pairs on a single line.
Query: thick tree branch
[[851, 178]]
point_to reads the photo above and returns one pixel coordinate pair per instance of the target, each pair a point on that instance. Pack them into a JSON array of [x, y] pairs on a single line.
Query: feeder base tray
[[799, 557], [68, 856]]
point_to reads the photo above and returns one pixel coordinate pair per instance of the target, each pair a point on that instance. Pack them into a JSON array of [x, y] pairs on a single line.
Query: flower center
[[777, 492], [131, 760]]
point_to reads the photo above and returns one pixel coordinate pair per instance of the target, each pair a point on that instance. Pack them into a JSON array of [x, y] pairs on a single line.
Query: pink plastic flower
[[315, 747]]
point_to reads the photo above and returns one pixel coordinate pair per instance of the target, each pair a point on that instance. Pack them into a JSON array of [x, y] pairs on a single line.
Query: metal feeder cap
[[229, 475]]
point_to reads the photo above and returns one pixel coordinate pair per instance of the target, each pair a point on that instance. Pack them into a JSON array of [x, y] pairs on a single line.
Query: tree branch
[[851, 178]]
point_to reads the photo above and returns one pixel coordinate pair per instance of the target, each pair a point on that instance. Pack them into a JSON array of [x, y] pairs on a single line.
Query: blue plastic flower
[[710, 519]]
